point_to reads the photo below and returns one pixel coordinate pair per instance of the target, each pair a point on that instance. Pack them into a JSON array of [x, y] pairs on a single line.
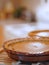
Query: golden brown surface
[[43, 33], [29, 47]]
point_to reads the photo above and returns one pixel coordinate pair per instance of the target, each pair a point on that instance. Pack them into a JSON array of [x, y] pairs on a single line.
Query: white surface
[[21, 30], [18, 30]]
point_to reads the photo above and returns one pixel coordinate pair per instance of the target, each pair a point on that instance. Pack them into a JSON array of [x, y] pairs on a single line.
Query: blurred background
[[23, 9], [28, 10]]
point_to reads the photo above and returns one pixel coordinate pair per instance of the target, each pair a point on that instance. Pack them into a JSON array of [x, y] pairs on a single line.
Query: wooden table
[[3, 56]]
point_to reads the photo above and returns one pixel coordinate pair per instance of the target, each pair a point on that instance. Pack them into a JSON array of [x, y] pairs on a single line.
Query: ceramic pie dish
[[27, 50], [40, 33]]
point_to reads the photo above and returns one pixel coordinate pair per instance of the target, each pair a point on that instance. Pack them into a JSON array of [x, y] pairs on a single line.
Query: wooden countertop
[[1, 36]]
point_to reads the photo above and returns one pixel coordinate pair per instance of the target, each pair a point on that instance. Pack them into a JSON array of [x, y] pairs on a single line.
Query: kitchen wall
[[15, 3], [30, 4]]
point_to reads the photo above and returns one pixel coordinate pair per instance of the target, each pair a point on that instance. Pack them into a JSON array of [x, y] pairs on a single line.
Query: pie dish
[[27, 49], [42, 34]]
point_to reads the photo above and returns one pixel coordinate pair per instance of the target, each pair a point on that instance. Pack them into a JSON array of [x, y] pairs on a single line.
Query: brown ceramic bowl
[[27, 50], [42, 34]]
